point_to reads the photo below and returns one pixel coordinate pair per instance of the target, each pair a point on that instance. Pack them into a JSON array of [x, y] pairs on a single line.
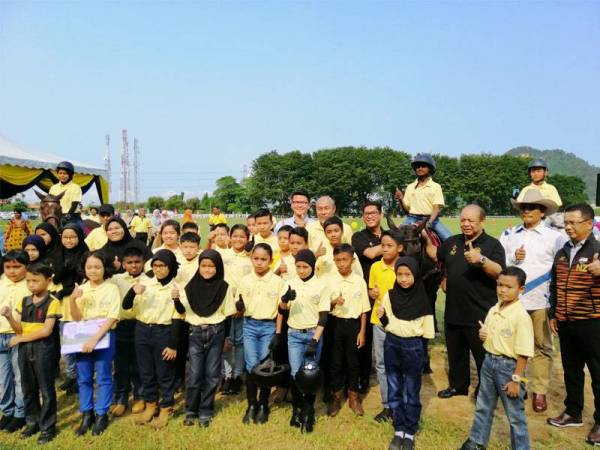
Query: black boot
[[308, 414], [30, 430], [87, 422], [46, 436], [262, 415], [250, 414], [100, 424], [296, 420], [68, 383], [15, 424]]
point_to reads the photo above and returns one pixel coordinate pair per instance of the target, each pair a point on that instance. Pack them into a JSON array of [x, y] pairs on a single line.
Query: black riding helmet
[[537, 162], [67, 166], [308, 378], [424, 158], [268, 373]]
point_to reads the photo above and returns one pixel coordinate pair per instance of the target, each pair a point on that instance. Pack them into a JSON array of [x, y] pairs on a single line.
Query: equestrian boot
[[308, 414], [296, 420], [87, 422], [150, 411], [355, 403], [335, 404]]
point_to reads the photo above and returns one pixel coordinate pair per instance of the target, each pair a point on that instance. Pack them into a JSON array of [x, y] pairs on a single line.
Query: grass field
[[445, 423]]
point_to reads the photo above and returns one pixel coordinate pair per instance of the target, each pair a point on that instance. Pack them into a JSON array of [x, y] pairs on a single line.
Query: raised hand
[[520, 253], [472, 255], [239, 305], [482, 331], [320, 250], [77, 292], [594, 266], [399, 194], [290, 294], [139, 288], [175, 291]]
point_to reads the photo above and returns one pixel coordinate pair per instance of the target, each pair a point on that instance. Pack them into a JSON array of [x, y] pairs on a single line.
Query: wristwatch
[[519, 379], [482, 259]]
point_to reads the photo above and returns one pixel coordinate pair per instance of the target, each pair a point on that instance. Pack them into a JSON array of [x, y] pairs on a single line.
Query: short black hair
[[240, 226], [586, 211], [301, 192], [300, 231], [133, 251], [343, 248], [397, 239], [263, 212], [222, 225], [517, 272], [109, 268], [251, 216], [40, 268], [17, 255], [266, 247], [286, 228], [171, 223], [188, 225], [372, 203], [335, 220], [190, 236]]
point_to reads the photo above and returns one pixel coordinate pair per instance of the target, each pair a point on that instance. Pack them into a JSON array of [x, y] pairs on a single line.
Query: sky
[[206, 87]]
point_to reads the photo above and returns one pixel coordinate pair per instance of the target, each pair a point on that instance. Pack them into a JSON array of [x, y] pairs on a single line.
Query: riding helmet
[[423, 158]]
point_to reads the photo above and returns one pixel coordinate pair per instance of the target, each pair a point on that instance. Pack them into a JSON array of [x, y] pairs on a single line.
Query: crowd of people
[[298, 307]]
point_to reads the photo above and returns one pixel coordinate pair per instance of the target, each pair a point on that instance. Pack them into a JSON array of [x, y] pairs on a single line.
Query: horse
[[51, 212]]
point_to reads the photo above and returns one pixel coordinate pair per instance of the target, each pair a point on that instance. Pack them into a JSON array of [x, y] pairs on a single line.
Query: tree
[[228, 194], [193, 203], [570, 188], [205, 203], [175, 202], [155, 202]]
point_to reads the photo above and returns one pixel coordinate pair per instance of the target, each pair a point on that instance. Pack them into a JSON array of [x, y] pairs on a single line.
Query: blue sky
[[208, 86]]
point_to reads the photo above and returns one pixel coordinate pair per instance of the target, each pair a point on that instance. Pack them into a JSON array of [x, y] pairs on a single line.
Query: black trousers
[[183, 345], [327, 351], [460, 341], [37, 363], [345, 355], [142, 237], [580, 347], [157, 375], [366, 356], [126, 373]]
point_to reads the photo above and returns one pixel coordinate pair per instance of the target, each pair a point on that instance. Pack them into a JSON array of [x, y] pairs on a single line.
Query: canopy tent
[[21, 169]]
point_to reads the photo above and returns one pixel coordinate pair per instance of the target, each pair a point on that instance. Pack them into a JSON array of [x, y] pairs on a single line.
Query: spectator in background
[[300, 203], [216, 217], [141, 226], [18, 229], [187, 216], [94, 215]]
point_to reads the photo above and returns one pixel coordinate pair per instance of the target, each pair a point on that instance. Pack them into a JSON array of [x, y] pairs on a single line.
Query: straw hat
[[535, 196]]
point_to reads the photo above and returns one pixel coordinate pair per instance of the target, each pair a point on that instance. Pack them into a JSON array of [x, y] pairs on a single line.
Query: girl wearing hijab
[[307, 300], [119, 238], [35, 247], [407, 318], [208, 304], [53, 247], [159, 316]]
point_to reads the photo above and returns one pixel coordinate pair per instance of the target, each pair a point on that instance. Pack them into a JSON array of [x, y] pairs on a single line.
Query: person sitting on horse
[[424, 199], [71, 193]]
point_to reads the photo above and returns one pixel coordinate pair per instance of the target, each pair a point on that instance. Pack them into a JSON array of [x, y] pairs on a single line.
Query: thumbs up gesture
[[5, 311], [77, 292], [139, 288], [175, 291], [399, 194], [482, 331], [520, 253], [117, 263], [282, 267], [239, 305], [472, 255], [594, 266], [320, 250], [290, 294], [380, 311]]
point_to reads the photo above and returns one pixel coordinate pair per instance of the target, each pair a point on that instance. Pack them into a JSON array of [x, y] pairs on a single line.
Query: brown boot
[[150, 411], [118, 410], [162, 419], [279, 395], [335, 404], [355, 403], [138, 406]]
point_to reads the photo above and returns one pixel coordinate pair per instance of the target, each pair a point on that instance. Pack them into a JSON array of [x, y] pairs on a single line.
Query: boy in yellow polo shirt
[[349, 305], [381, 279], [508, 340], [424, 199], [189, 243], [70, 193], [537, 171], [13, 287], [97, 237], [216, 217], [141, 226], [38, 351], [334, 229], [264, 230]]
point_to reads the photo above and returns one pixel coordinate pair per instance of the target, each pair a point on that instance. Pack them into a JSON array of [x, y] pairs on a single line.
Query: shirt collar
[[539, 228], [29, 300], [503, 312]]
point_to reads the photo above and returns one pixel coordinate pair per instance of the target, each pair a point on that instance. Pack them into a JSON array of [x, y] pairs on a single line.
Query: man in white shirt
[[300, 202], [532, 247]]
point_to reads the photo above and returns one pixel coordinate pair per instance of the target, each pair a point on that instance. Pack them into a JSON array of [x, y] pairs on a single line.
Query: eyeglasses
[[299, 202], [574, 222], [370, 213]]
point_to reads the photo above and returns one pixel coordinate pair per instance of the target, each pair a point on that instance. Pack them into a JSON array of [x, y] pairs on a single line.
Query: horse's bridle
[[53, 217]]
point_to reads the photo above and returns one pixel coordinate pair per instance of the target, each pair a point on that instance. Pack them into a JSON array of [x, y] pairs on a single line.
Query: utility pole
[[107, 164], [136, 170], [124, 167]]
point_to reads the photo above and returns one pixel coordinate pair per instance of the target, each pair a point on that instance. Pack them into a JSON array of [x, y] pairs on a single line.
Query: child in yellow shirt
[[334, 228], [189, 243], [264, 230], [285, 264]]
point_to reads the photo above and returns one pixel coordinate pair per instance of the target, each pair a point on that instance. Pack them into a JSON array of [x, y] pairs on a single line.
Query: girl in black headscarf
[[53, 247], [35, 247], [407, 317], [208, 303], [119, 238]]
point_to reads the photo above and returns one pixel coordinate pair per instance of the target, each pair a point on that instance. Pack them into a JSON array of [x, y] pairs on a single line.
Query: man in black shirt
[[472, 261]]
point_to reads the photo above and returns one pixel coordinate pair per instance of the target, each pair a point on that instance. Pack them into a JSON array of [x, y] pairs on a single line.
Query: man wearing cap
[[538, 170], [532, 247], [97, 237]]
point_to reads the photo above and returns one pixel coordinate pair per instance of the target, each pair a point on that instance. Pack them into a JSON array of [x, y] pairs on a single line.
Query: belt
[[261, 320], [304, 330], [491, 355], [419, 216], [153, 325], [206, 326]]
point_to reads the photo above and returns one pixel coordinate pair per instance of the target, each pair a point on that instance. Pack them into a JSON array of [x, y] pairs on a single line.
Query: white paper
[[75, 334]]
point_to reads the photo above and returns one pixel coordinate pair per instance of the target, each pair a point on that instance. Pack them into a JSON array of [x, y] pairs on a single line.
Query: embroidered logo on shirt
[[453, 250], [506, 333], [315, 298]]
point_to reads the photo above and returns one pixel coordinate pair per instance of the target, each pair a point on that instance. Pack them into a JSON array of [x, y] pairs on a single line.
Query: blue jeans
[[495, 373], [442, 232], [70, 360], [100, 362], [233, 360], [257, 337], [206, 354], [11, 393], [378, 339], [404, 362], [297, 343]]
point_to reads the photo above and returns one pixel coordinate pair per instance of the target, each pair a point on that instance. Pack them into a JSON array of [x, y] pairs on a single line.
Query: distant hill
[[564, 163]]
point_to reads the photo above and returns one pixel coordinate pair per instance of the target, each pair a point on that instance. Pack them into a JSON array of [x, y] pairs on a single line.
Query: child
[[208, 304], [97, 298], [53, 248], [13, 288], [216, 217], [126, 374], [69, 192], [424, 198], [258, 296], [381, 279], [219, 240], [307, 300], [407, 317], [237, 264], [159, 315], [189, 243], [334, 228], [34, 325], [264, 229], [537, 171], [298, 240], [251, 224], [97, 237], [190, 227], [35, 247], [349, 305], [285, 264], [507, 336]]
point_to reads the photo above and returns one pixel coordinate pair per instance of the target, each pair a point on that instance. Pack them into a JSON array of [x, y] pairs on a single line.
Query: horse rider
[[71, 199]]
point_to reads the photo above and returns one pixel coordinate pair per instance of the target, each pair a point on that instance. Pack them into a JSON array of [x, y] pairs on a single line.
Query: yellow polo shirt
[[141, 225], [214, 220], [383, 277], [316, 235], [72, 194], [509, 331], [326, 264], [353, 289], [419, 327], [421, 200], [101, 302], [547, 190], [96, 239], [11, 295], [312, 297], [272, 240], [226, 309], [261, 295], [237, 266], [155, 305], [187, 269], [124, 282], [290, 263]]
